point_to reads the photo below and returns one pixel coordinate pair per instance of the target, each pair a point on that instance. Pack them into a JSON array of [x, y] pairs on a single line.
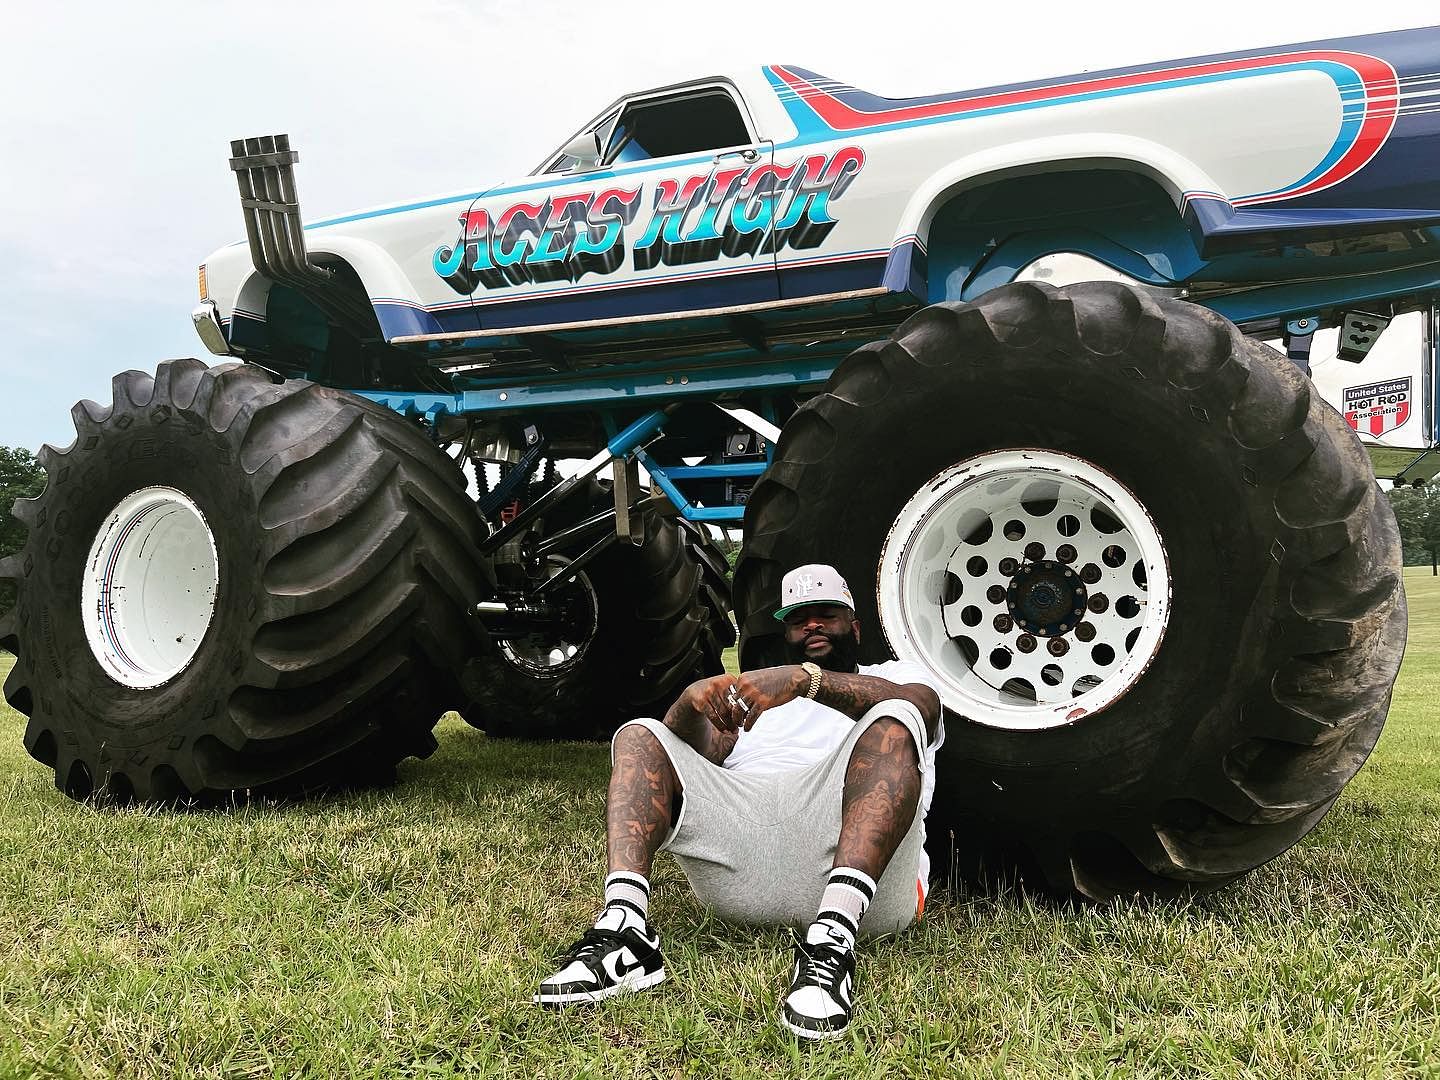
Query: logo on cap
[[815, 583]]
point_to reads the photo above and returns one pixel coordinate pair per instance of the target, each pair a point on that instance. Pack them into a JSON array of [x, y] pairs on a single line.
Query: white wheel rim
[[150, 584], [932, 587]]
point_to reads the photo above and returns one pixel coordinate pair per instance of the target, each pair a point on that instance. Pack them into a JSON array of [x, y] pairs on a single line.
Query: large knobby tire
[[1286, 616], [662, 620], [341, 555]]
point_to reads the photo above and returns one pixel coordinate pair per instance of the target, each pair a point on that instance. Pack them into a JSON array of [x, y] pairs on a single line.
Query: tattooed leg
[[643, 785], [882, 792]]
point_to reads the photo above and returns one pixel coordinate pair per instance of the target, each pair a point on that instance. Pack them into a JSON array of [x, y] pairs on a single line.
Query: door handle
[[747, 155]]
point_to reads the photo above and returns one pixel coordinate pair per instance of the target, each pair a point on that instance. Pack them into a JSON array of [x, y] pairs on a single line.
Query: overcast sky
[[115, 121]]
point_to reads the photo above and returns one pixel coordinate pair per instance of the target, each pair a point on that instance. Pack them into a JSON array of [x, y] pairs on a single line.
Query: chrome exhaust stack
[[264, 167]]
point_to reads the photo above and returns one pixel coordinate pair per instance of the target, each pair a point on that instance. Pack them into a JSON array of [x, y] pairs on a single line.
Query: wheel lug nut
[[995, 594], [1004, 623], [1085, 631], [1035, 552], [1058, 646], [1090, 573], [1065, 553], [1008, 567], [1025, 643], [1099, 603]]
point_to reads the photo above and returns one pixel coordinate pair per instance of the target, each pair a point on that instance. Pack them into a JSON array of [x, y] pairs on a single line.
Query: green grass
[[1387, 460], [400, 933]]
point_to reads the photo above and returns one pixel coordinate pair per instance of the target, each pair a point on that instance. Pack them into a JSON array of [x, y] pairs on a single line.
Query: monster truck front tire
[[1149, 567], [230, 583]]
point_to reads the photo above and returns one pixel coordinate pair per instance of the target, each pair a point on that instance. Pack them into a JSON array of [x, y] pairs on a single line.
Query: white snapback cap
[[814, 583]]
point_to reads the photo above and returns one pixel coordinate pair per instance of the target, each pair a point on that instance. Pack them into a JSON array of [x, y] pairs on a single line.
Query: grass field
[[400, 934], [1387, 460]]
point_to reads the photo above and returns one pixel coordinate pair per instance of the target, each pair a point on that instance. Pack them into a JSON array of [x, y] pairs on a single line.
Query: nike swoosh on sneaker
[[619, 964]]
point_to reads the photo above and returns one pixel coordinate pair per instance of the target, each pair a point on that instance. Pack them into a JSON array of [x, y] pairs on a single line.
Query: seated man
[[791, 795]]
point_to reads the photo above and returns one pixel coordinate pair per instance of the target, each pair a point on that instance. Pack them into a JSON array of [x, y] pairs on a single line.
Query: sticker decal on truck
[[750, 210], [1377, 408]]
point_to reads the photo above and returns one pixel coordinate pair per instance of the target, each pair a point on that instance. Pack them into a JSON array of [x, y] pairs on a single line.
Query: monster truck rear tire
[[1257, 675], [233, 584], [662, 611]]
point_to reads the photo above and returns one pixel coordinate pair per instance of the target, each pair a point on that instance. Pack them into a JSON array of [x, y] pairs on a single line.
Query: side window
[[563, 164], [686, 124]]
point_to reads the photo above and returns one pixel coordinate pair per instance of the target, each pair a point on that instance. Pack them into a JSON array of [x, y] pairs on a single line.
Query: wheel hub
[[1031, 583], [1046, 598], [558, 643]]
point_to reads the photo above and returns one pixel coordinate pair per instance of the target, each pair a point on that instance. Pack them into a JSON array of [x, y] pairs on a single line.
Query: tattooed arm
[[702, 718], [852, 694], [855, 695]]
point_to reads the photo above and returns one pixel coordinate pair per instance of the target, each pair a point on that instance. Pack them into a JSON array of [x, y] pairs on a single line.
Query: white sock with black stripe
[[848, 893], [627, 902]]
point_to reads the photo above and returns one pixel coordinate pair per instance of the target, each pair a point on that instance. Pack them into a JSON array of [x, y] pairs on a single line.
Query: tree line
[[21, 477], [1417, 511]]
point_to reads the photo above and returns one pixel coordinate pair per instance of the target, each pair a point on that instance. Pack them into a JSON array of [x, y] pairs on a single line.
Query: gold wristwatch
[[813, 670]]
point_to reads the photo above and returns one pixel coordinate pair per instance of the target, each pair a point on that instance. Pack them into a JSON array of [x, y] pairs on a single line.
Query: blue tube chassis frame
[[614, 393]]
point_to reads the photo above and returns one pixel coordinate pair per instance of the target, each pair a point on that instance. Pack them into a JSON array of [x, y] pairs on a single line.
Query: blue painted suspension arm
[[636, 435], [621, 446]]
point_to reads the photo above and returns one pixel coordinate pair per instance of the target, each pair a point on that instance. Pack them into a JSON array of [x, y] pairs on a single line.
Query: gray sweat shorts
[[758, 848]]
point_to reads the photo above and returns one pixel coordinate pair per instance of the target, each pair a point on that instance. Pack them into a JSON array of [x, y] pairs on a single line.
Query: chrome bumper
[[207, 325]]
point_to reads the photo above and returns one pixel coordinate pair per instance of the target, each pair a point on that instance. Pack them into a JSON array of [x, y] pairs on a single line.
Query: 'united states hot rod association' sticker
[[1378, 408]]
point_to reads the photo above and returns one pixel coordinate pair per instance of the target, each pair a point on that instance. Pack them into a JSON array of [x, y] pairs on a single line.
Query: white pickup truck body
[[793, 189]]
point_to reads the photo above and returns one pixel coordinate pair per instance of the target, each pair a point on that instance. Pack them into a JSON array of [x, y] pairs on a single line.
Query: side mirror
[[584, 150]]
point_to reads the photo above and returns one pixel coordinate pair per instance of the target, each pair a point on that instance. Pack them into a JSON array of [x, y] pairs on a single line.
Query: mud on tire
[[344, 545], [1287, 624]]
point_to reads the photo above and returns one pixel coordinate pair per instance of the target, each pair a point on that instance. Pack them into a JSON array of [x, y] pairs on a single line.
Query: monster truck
[[997, 355]]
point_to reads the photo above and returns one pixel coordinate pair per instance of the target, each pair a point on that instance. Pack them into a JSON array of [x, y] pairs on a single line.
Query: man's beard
[[844, 654]]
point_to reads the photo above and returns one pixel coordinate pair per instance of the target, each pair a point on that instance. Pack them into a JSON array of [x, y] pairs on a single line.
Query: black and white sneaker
[[822, 988], [604, 963]]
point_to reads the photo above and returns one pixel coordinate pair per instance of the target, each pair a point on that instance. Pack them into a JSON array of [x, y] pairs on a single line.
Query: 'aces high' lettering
[[741, 211]]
